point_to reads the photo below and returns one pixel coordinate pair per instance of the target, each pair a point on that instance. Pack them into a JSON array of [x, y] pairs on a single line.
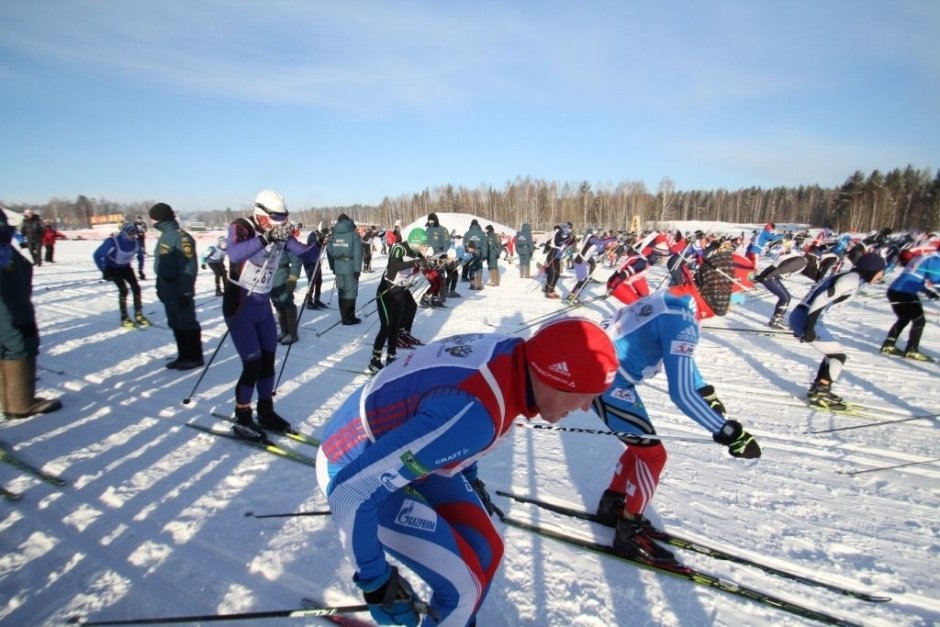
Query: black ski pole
[[293, 613], [189, 398], [300, 314], [287, 515]]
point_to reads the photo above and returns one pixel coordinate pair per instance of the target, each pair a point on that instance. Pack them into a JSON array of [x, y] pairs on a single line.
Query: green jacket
[[18, 331], [345, 248], [175, 263]]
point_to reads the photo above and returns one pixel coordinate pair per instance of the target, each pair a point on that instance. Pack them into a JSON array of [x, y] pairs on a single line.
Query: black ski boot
[[631, 540], [776, 322], [245, 427], [376, 363], [269, 419], [610, 508]]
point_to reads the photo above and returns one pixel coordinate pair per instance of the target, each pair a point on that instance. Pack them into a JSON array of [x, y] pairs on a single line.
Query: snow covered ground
[[153, 521]]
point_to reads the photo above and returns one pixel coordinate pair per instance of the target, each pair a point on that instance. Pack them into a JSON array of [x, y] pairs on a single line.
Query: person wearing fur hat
[[398, 458], [19, 336], [344, 254], [657, 332], [806, 324], [476, 235], [255, 247], [175, 266]]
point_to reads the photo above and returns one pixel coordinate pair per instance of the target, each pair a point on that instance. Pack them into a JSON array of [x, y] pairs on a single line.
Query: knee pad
[[251, 371], [266, 365]]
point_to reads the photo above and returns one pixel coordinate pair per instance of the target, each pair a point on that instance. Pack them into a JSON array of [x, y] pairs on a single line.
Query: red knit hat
[[573, 355]]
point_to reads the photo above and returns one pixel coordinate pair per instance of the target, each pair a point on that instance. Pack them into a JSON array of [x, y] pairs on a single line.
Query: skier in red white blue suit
[[659, 332], [398, 458]]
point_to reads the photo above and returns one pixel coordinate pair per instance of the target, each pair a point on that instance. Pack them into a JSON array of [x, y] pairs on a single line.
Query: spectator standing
[[19, 336], [49, 237], [345, 257], [175, 266], [494, 248], [525, 246], [32, 230]]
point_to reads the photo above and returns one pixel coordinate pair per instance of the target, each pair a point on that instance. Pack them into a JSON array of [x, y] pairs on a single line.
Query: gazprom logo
[[388, 481], [417, 516]]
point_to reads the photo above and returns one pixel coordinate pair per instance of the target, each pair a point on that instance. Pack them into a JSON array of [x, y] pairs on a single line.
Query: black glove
[[280, 232], [140, 275], [932, 295], [480, 488], [184, 301], [107, 274], [392, 601], [203, 266], [740, 443], [711, 397], [809, 335]]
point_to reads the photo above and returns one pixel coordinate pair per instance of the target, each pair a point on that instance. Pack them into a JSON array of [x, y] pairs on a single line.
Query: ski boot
[[610, 508], [375, 364], [245, 427], [127, 323], [820, 395], [888, 348], [141, 319], [776, 322], [631, 539], [918, 356], [410, 338], [269, 419]]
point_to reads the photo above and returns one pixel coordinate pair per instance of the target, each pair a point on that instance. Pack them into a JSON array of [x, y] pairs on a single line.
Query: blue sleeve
[[306, 253], [241, 244], [101, 254], [684, 376], [448, 426]]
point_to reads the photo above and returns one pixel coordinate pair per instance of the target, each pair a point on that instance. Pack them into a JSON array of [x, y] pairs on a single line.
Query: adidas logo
[[560, 368]]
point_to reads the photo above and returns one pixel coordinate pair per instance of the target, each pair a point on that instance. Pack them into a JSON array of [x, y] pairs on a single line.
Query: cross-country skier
[[761, 240], [771, 278], [398, 458], [395, 304], [806, 324], [114, 258], [255, 246], [214, 259], [902, 294], [661, 331]]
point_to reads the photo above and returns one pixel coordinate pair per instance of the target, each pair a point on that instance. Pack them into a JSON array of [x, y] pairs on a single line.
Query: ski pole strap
[[623, 435]]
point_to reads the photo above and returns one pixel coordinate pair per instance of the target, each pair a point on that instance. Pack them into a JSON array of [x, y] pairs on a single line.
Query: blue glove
[[391, 599]]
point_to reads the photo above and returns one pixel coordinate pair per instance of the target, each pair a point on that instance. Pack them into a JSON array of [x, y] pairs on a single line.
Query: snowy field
[[153, 519]]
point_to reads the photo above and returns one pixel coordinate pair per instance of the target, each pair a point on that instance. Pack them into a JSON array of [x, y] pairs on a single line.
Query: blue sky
[[203, 104]]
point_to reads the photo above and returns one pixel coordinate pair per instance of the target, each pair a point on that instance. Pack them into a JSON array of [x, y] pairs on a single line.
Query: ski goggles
[[276, 217]]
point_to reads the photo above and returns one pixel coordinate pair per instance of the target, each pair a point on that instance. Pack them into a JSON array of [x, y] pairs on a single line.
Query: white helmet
[[269, 203]]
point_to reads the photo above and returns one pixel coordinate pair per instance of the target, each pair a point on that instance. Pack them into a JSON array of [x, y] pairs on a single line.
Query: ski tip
[[249, 514]]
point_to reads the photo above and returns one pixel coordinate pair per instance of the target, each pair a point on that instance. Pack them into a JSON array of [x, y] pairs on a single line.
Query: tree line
[[902, 199]]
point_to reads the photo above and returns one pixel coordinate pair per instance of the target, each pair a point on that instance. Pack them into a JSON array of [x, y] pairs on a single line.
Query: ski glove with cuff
[[711, 397], [280, 232], [391, 599], [480, 488], [740, 443]]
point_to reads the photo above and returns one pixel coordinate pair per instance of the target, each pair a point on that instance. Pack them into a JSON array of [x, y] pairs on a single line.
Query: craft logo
[[459, 351], [451, 457], [416, 516]]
